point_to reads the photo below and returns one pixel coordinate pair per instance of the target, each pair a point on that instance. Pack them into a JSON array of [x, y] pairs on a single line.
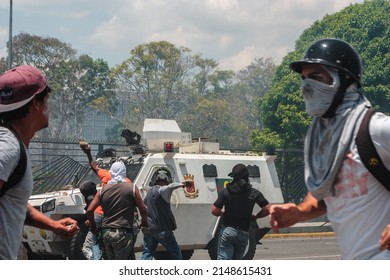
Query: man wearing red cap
[[23, 112], [235, 204]]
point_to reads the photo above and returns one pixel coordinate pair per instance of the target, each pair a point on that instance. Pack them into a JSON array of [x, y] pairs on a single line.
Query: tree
[[40, 51], [77, 83], [367, 27], [81, 84], [154, 80]]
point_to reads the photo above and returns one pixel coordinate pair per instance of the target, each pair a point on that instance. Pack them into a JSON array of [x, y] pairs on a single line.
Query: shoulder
[[256, 192], [7, 138], [104, 175], [380, 125], [9, 150], [223, 192], [379, 129]]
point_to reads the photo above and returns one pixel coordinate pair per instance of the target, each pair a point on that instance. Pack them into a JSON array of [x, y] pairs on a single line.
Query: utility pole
[[10, 36]]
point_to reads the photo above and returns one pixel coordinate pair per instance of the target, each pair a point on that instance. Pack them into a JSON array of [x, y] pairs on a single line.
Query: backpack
[[20, 168], [369, 154]]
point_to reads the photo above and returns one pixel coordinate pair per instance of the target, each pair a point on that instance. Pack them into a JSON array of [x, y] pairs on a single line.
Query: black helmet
[[163, 174], [334, 53], [239, 171]]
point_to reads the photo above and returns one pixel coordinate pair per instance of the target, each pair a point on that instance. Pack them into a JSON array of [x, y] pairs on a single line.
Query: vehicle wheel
[[250, 248], [164, 255], [187, 254], [212, 247], [77, 242], [32, 256]]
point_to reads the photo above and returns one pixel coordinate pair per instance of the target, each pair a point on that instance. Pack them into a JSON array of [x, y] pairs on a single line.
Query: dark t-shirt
[[239, 206], [118, 202]]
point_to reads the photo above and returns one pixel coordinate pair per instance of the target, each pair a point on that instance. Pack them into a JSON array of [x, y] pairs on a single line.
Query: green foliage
[[263, 139], [366, 26], [77, 83], [154, 80], [40, 51], [160, 80]]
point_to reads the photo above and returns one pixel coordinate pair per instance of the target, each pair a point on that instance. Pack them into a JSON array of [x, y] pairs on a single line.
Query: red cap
[[19, 85]]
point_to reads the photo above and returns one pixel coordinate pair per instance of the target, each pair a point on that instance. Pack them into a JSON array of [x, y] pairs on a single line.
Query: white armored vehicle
[[166, 146]]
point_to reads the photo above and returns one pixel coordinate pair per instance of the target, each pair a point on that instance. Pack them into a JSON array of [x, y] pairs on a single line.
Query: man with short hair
[[235, 204], [23, 112]]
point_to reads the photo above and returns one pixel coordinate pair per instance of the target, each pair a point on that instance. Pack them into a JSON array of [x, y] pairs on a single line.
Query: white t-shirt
[[360, 210], [13, 204]]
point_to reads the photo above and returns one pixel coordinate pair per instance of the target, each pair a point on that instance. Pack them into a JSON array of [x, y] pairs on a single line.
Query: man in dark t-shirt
[[238, 200]]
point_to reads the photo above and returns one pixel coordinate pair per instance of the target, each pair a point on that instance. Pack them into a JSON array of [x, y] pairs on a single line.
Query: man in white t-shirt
[[338, 183], [23, 111]]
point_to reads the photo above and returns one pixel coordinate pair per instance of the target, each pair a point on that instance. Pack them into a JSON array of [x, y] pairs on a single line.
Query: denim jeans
[[232, 243], [87, 246], [97, 243], [165, 238], [118, 243]]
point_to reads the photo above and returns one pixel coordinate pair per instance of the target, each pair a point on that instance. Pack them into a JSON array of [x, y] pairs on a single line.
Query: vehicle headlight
[[49, 206]]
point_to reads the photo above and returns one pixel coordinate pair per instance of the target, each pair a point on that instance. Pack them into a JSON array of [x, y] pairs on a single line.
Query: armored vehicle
[[164, 145]]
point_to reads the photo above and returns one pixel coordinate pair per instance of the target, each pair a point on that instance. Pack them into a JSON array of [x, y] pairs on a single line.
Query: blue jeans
[[165, 238], [97, 244], [232, 243]]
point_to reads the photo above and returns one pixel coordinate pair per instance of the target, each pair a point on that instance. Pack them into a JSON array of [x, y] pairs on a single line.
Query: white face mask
[[318, 96]]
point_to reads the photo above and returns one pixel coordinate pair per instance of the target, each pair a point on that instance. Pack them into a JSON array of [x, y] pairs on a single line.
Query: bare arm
[[87, 150], [65, 227], [286, 215], [311, 208], [91, 209], [262, 213], [384, 242]]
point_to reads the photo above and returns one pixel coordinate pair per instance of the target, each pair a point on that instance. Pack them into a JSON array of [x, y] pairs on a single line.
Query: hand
[[283, 215], [144, 227], [66, 227], [189, 183], [85, 147], [385, 239]]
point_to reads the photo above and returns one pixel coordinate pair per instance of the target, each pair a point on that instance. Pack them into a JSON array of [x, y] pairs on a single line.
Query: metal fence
[[60, 162]]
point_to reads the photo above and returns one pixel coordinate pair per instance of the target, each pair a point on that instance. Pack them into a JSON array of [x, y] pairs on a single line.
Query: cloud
[[232, 32], [4, 38]]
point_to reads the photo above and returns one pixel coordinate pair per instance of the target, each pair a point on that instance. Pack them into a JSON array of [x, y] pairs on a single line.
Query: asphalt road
[[290, 247]]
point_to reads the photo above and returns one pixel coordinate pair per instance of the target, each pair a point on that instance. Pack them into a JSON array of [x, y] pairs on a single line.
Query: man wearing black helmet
[[160, 217], [337, 180], [235, 204]]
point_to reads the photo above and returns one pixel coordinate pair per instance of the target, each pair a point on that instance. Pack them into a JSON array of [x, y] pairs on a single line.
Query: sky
[[232, 32]]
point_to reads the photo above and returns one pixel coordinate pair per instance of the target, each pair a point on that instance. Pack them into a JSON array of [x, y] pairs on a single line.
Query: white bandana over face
[[328, 139], [319, 96], [118, 172]]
